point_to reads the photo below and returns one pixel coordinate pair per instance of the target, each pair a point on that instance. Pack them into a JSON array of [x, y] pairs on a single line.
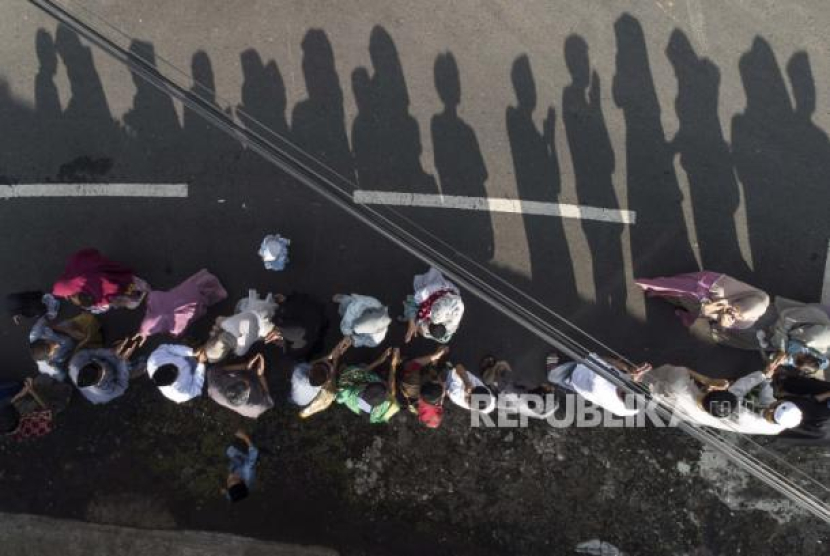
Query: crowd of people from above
[[786, 396], [70, 353]]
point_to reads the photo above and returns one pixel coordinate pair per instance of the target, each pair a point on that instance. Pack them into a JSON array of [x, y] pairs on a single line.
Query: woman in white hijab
[[435, 310], [364, 319], [251, 323]]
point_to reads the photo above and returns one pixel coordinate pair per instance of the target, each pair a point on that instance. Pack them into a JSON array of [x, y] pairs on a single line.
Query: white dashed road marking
[[178, 190], [492, 204]]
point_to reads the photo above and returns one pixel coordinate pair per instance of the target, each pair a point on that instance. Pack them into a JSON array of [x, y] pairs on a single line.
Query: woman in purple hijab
[[172, 311], [733, 309]]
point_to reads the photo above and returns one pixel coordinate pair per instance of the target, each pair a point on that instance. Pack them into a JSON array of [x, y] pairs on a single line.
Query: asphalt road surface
[[706, 122]]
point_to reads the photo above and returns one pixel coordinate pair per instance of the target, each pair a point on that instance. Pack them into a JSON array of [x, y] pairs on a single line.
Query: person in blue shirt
[[243, 457], [52, 345], [800, 336], [100, 374]]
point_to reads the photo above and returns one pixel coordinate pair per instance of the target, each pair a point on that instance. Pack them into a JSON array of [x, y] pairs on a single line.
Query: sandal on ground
[[552, 361]]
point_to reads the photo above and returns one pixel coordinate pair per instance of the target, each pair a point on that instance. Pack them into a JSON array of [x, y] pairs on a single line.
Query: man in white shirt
[[710, 402], [783, 413], [468, 391], [177, 372], [759, 380], [514, 396], [598, 390]]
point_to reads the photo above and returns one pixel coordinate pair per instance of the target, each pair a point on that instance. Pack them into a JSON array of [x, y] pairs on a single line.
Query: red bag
[[34, 425]]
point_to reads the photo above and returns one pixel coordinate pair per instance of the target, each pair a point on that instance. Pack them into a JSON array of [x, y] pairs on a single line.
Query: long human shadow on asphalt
[[47, 100], [781, 158], [199, 135], [152, 124], [264, 101], [660, 244], [594, 164], [390, 137], [536, 167], [706, 159], [659, 241], [460, 166], [88, 108], [80, 154], [318, 123]]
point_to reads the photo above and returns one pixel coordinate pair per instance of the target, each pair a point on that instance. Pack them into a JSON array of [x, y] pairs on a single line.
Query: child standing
[[242, 467]]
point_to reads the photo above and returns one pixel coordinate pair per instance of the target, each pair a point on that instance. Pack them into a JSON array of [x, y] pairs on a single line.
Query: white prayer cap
[[787, 414]]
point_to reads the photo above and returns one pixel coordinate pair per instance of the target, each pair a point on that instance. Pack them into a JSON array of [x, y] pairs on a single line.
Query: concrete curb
[[29, 535]]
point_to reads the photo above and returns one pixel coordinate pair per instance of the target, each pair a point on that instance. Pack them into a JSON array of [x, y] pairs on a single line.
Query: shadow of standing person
[[460, 166], [659, 241], [397, 149], [593, 162], [47, 100], [706, 159], [318, 122], [263, 96], [88, 123], [365, 139], [811, 139], [537, 179], [152, 123], [809, 150], [48, 111], [20, 140], [208, 149], [784, 209]]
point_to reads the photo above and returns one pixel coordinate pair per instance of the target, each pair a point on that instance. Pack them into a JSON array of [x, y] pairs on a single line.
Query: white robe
[[352, 307], [675, 386], [252, 322]]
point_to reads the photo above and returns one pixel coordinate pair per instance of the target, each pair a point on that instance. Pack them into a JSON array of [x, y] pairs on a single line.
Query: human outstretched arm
[[257, 363], [712, 383], [637, 372], [393, 371], [411, 331], [823, 397], [432, 357], [745, 384], [380, 360], [464, 375], [337, 351]]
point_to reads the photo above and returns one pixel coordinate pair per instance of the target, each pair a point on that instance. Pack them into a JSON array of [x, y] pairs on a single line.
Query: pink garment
[[89, 272], [171, 312], [687, 290]]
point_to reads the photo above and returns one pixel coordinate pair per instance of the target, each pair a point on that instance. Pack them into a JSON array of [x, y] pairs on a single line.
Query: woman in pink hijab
[[171, 312], [734, 310], [97, 284]]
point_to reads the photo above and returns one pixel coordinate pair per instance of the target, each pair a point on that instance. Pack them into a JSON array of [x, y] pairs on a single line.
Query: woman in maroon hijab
[[96, 283]]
